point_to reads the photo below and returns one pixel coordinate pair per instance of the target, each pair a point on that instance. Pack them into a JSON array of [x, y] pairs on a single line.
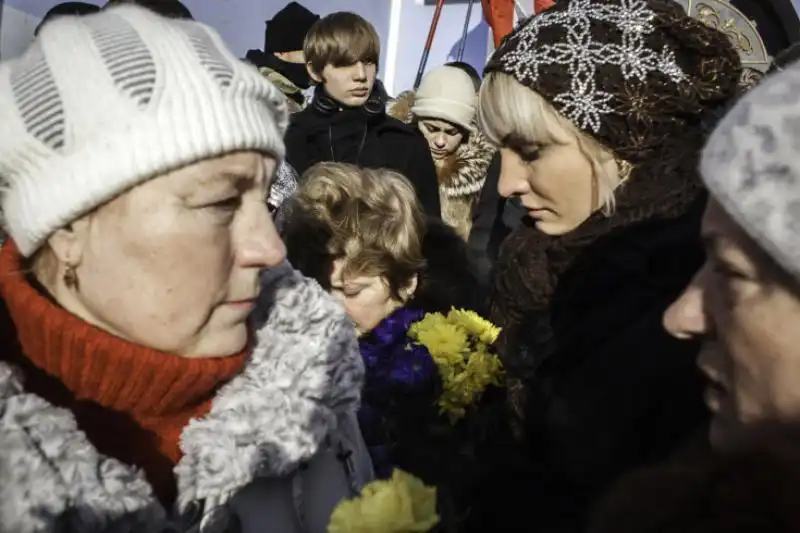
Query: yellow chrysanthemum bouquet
[[460, 343], [401, 504], [422, 408]]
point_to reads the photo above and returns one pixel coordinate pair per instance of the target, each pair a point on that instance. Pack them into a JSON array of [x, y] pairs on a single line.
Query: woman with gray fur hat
[[744, 304], [151, 378]]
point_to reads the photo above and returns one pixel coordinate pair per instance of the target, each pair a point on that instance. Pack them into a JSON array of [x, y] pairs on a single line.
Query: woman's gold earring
[[624, 169], [71, 278]]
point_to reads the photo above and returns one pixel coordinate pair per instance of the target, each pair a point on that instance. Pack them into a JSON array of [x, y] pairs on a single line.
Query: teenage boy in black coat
[[346, 121]]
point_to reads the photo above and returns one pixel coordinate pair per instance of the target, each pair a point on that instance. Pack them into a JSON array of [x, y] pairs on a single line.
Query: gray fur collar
[[466, 174], [303, 373]]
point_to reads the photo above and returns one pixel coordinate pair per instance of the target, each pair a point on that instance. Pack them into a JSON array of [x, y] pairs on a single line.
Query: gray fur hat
[[751, 165]]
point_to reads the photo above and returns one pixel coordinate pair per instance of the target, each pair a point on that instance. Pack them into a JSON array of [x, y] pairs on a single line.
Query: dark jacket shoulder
[[299, 119], [392, 126], [404, 141], [493, 220], [451, 277]]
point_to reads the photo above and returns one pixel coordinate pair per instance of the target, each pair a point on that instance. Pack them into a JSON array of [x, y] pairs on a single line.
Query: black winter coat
[[368, 140], [494, 219]]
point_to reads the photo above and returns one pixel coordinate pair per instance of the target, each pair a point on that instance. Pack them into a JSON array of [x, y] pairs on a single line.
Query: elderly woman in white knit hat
[[744, 304], [444, 110], [148, 380]]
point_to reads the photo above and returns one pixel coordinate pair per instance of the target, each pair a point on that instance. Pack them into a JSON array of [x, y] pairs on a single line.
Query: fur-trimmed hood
[[467, 173], [296, 396]]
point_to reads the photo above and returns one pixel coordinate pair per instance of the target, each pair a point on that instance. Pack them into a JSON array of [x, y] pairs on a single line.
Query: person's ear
[[408, 292], [65, 249], [67, 243], [312, 73]]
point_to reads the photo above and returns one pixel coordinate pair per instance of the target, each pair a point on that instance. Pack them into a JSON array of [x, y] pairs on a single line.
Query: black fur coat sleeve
[[609, 390]]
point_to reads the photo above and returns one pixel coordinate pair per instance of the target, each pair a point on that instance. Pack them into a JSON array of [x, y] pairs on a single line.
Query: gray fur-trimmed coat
[[278, 450]]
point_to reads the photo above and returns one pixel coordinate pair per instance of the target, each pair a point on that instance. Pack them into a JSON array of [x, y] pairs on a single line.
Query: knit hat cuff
[[99, 174], [458, 113]]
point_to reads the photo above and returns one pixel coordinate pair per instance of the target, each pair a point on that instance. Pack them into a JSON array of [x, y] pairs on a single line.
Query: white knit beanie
[[447, 93], [101, 103], [751, 166]]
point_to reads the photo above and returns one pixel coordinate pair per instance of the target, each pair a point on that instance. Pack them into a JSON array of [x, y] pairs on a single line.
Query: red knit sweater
[[132, 402]]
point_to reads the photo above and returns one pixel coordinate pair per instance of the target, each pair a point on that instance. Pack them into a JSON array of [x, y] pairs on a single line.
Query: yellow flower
[[459, 345], [439, 336], [461, 389], [485, 369], [402, 504], [475, 325]]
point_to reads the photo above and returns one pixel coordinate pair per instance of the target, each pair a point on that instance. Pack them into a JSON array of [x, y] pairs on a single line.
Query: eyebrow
[[754, 262], [438, 127], [510, 140], [718, 243], [711, 241], [236, 176], [716, 246], [349, 285], [517, 143], [238, 180]]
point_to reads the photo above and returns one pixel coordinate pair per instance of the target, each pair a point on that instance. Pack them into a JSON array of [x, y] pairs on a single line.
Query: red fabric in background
[[541, 5], [499, 14]]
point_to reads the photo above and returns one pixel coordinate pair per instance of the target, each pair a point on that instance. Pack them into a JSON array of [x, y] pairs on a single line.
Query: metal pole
[[429, 43], [2, 8], [463, 44]]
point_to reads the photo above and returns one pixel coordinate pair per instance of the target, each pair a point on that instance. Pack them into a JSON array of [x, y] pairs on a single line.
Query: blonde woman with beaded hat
[[151, 379], [598, 107]]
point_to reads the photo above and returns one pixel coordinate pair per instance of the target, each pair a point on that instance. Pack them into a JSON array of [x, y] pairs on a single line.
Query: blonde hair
[[370, 218], [341, 39], [509, 110]]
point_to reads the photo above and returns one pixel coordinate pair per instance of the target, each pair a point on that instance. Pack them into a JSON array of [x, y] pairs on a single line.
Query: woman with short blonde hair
[[362, 235], [364, 228]]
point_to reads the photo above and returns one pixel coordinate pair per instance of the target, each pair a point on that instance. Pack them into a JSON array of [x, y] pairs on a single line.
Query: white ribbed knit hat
[[104, 102], [447, 93], [751, 166]]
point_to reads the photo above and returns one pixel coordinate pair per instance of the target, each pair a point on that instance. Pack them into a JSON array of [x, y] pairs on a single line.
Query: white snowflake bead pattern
[[581, 55]]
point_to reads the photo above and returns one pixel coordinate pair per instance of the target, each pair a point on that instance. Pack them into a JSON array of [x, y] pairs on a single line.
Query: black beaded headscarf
[[633, 74]]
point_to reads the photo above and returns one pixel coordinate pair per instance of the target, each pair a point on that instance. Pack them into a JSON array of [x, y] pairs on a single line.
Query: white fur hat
[[101, 103], [751, 166], [447, 93]]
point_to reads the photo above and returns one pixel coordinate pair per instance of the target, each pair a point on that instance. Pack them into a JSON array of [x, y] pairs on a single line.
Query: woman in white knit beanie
[[443, 109], [148, 378], [744, 305]]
